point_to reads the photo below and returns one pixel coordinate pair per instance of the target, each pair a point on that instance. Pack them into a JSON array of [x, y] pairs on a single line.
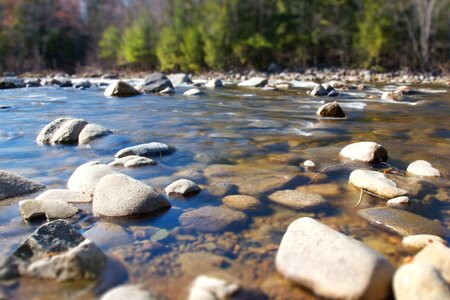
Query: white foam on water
[[299, 131], [303, 84]]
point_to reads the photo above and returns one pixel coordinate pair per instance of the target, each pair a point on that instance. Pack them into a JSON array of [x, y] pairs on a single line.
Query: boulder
[[254, 82], [14, 185], [108, 235], [132, 161], [180, 79], [156, 82], [50, 209], [422, 168], [85, 178], [211, 288], [64, 195], [331, 110], [132, 292], [242, 202], [118, 195], [91, 132], [149, 149], [395, 96], [183, 187], [376, 183], [215, 83], [193, 92], [331, 264], [319, 90], [402, 222], [297, 199], [417, 281], [120, 89], [212, 218], [368, 152], [420, 241], [46, 134], [68, 132]]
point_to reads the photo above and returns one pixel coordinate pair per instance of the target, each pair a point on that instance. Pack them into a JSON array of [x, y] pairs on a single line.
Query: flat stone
[[108, 235], [12, 185], [132, 161], [183, 187], [46, 134], [422, 168], [331, 264], [297, 199], [418, 281], [331, 110], [398, 201], [376, 182], [149, 149], [132, 292], [254, 82], [193, 92], [85, 178], [64, 195], [438, 256], [402, 222], [118, 195], [215, 83], [211, 288], [167, 91], [242, 202], [91, 132], [68, 132], [420, 241], [212, 218], [120, 89], [368, 152], [51, 209]]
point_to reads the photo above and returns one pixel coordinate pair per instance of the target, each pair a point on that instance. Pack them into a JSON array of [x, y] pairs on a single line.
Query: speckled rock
[[297, 199], [91, 132], [420, 241], [323, 260], [120, 89], [422, 168], [118, 195], [402, 222], [331, 110], [51, 209], [376, 182], [132, 292], [68, 132], [149, 149], [368, 152], [64, 195], [108, 235], [212, 218], [241, 202], [182, 187], [48, 131], [85, 178], [12, 185], [211, 288]]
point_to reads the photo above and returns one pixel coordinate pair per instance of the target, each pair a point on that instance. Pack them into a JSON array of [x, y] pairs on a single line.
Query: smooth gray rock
[[254, 82], [68, 132], [241, 202], [183, 187], [214, 83], [118, 195], [132, 292], [53, 237], [193, 92], [91, 132], [46, 134], [212, 218], [85, 178], [64, 195], [376, 182], [422, 168], [120, 89], [12, 185], [402, 222], [331, 264], [331, 110], [417, 281], [296, 199], [51, 209], [83, 262], [132, 161], [368, 152], [212, 288], [149, 149], [156, 82], [420, 241], [180, 79], [319, 90]]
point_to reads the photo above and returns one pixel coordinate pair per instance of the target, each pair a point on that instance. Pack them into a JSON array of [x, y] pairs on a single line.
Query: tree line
[[198, 35]]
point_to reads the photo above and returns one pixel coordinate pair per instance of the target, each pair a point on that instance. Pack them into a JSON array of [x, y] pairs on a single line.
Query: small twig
[[393, 167], [323, 170], [360, 198]]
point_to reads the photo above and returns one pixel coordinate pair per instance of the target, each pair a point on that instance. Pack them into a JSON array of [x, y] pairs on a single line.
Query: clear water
[[216, 146]]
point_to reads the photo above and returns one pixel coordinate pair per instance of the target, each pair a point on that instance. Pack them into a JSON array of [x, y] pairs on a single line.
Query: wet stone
[[376, 182], [12, 185], [149, 149], [297, 199], [182, 187], [91, 132], [210, 288], [368, 152], [420, 241], [86, 177], [242, 202], [331, 110], [132, 161], [398, 201], [132, 292], [51, 209], [422, 168], [120, 89], [212, 218], [64, 195]]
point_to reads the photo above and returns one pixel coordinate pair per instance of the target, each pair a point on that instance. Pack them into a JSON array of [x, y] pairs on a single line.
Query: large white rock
[[68, 132], [12, 185], [418, 281], [132, 161], [183, 187], [120, 89], [118, 195], [368, 152], [331, 264], [254, 82], [131, 292], [51, 209], [85, 178], [148, 149], [211, 288], [47, 132], [376, 182], [91, 132], [64, 195], [422, 168]]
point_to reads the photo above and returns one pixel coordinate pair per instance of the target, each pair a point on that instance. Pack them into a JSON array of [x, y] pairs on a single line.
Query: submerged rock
[[91, 132], [132, 161], [118, 195], [46, 134], [132, 292], [149, 149], [242, 202], [108, 235], [120, 89], [254, 82], [402, 222], [420, 241], [368, 152], [156, 82], [211, 288], [50, 209], [215, 83], [331, 264], [296, 199], [331, 110], [14, 185], [183, 187], [64, 195], [376, 182], [85, 178], [212, 218], [422, 168], [266, 124], [398, 201]]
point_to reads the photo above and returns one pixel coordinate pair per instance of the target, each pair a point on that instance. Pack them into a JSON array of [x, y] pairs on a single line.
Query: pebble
[[254, 82], [193, 92], [215, 83], [120, 89], [297, 199], [132, 292], [91, 132], [212, 218], [182, 187], [242, 202], [132, 161], [331, 110]]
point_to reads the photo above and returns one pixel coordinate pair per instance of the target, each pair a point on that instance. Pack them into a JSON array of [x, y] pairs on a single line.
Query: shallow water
[[218, 146]]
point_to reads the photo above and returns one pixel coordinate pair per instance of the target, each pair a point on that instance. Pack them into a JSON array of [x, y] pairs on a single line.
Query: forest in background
[[199, 35]]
